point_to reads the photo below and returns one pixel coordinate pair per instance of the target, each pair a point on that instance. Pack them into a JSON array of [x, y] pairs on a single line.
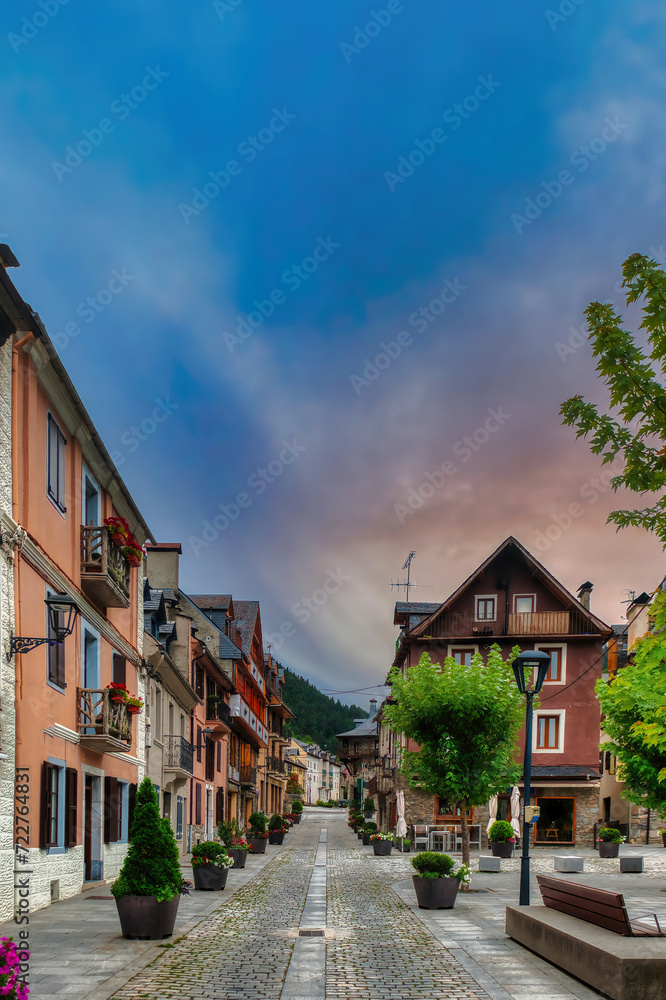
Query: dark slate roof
[[210, 602], [246, 619], [368, 727], [228, 649], [415, 607], [565, 771]]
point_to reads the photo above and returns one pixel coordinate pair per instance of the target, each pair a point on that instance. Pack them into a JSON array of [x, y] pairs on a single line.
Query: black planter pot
[[366, 839], [210, 878], [503, 849], [240, 857], [258, 844], [274, 837], [608, 850], [359, 835], [382, 848], [297, 817], [436, 893], [144, 918], [405, 848], [663, 837]]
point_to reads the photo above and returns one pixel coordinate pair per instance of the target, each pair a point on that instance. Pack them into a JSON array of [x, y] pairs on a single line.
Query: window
[[55, 656], [91, 500], [116, 810], [199, 681], [548, 732], [485, 609], [557, 822], [557, 670], [218, 762], [463, 654], [119, 669], [58, 807], [55, 461], [199, 744], [179, 817], [524, 604]]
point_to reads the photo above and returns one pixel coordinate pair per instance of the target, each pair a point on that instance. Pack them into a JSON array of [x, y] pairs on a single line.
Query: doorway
[[92, 829]]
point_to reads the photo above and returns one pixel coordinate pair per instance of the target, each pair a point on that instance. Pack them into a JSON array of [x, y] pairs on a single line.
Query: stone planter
[[210, 878], [240, 857], [258, 844], [365, 837], [382, 848], [274, 837], [608, 850], [144, 918], [436, 893], [503, 849]]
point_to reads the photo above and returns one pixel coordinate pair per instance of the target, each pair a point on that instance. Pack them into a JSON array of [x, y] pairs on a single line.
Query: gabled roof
[[365, 728], [228, 649], [210, 602], [539, 570], [246, 615]]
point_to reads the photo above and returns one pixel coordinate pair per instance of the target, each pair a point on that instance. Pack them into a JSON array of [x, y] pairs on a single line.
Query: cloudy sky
[[347, 241]]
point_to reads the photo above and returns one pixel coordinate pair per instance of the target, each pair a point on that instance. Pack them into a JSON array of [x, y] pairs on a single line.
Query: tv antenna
[[406, 583]]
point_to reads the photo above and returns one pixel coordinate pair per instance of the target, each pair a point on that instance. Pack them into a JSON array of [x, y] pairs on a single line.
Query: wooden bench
[[595, 906]]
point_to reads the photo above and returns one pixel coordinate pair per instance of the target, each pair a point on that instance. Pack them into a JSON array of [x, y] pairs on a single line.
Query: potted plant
[[148, 888], [501, 839], [118, 692], [382, 844], [234, 842], [276, 829], [258, 834], [609, 842], [368, 831], [12, 984], [134, 705], [369, 806], [437, 880], [662, 834], [297, 810], [403, 844], [210, 864]]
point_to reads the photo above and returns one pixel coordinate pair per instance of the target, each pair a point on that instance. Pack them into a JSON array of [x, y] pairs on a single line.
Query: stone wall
[[67, 870]]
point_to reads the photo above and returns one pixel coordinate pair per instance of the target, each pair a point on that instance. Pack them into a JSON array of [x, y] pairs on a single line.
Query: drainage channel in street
[[306, 974]]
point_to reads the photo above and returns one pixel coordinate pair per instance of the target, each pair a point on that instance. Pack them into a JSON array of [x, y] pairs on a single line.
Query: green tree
[[634, 708], [152, 866], [635, 381], [465, 720], [635, 433]]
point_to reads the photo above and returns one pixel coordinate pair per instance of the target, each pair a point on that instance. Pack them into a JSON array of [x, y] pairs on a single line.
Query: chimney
[[584, 592], [373, 707], [162, 559]]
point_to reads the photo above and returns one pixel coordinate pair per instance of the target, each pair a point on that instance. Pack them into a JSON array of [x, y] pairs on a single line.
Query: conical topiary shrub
[[148, 888]]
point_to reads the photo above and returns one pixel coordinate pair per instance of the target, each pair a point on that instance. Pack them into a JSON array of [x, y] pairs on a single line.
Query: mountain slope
[[318, 717]]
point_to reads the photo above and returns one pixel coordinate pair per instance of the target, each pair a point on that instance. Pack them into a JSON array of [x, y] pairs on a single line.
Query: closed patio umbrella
[[401, 826], [492, 808], [515, 810]]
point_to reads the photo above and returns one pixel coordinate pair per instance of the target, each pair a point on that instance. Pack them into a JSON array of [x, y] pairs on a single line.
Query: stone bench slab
[[566, 863], [632, 863], [490, 864], [624, 968]]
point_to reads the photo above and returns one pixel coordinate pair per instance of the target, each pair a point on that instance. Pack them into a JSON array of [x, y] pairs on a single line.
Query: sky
[[318, 272]]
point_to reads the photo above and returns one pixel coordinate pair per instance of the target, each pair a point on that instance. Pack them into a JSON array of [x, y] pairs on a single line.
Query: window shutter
[[71, 793], [131, 801], [219, 756], [219, 805], [197, 804], [199, 733], [45, 813], [119, 669], [111, 811]]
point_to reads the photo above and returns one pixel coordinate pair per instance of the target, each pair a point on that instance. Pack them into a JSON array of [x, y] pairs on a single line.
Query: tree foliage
[[465, 720], [152, 865], [634, 708], [635, 380], [318, 717]]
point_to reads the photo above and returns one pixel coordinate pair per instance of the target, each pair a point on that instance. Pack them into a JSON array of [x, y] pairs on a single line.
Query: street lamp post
[[524, 664]]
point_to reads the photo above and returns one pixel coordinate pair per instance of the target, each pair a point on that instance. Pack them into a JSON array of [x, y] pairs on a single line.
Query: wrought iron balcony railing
[[178, 754]]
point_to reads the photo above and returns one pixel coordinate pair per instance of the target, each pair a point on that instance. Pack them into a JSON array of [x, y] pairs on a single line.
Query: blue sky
[[313, 214]]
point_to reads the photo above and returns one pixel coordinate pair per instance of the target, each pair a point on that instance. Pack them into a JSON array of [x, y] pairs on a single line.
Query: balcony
[[248, 776], [278, 730], [276, 766], [104, 726], [218, 716], [178, 756], [533, 623], [105, 573], [246, 722]]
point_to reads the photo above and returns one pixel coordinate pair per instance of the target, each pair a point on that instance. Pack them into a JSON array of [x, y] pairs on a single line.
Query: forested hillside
[[318, 717]]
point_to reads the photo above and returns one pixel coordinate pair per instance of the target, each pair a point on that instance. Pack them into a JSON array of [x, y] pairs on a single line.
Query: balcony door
[[92, 828], [90, 671], [92, 510]]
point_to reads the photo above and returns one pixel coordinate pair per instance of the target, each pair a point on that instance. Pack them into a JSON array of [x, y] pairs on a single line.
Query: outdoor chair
[[420, 836]]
